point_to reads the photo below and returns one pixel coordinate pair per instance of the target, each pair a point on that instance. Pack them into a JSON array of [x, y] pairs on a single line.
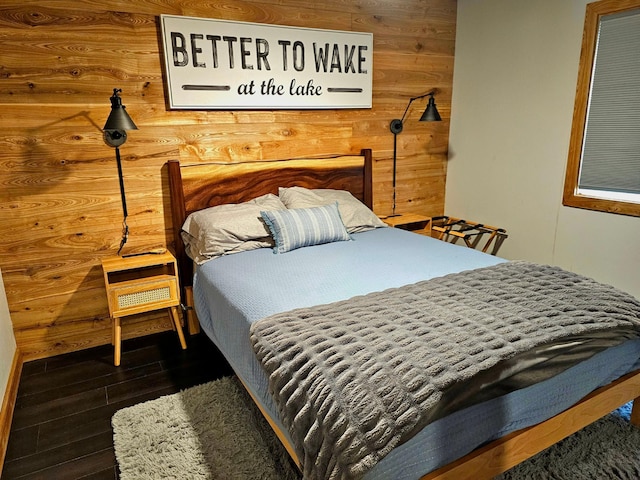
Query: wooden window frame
[[571, 198]]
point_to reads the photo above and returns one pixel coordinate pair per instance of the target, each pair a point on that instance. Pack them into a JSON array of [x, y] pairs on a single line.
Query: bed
[[471, 438]]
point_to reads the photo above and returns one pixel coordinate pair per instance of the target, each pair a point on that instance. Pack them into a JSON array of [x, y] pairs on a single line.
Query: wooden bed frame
[[197, 186]]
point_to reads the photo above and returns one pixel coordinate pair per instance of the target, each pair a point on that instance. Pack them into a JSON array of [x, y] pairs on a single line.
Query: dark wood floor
[[61, 426]]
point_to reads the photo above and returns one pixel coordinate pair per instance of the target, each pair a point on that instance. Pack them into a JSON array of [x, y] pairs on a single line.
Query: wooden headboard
[[197, 186]]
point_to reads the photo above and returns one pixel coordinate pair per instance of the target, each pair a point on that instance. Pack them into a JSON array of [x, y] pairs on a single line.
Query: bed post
[[368, 177], [635, 412], [185, 267], [178, 216]]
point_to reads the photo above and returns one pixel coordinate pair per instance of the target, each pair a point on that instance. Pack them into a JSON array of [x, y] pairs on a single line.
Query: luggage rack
[[450, 229]]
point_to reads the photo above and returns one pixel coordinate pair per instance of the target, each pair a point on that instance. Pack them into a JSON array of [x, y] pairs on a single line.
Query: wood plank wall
[[59, 195]]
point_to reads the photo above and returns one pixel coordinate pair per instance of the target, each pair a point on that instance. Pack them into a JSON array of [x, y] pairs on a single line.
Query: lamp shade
[[431, 113], [118, 119]]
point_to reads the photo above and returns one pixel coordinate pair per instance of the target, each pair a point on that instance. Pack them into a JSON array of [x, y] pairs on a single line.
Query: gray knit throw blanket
[[356, 378]]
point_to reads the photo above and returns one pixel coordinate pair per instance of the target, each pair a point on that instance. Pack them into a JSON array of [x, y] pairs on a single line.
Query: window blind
[[611, 145]]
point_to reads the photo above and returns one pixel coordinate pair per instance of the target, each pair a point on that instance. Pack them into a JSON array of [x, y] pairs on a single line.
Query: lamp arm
[[407, 109], [396, 124], [431, 93]]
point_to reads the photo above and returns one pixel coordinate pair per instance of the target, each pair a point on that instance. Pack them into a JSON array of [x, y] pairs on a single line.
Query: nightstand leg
[[117, 337], [173, 313]]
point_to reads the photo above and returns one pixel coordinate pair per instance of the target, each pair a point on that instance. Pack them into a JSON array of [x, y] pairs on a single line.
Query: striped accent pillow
[[303, 227]]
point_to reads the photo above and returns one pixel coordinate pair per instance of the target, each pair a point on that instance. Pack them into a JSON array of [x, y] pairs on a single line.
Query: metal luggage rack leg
[[450, 229]]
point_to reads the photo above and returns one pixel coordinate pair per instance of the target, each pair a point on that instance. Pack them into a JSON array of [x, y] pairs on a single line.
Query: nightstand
[[409, 221], [138, 284]]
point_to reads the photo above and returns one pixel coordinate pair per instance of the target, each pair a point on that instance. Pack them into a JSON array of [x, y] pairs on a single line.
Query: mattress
[[232, 292]]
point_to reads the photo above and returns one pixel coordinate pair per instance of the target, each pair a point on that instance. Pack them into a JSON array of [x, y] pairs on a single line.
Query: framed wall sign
[[219, 64]]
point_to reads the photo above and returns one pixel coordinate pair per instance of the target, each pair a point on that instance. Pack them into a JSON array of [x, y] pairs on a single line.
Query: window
[[603, 168]]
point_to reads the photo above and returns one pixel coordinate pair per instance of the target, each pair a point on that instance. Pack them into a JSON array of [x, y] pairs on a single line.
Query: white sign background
[[219, 64]]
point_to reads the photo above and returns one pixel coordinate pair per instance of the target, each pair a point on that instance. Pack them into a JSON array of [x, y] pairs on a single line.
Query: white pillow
[[229, 228], [356, 216]]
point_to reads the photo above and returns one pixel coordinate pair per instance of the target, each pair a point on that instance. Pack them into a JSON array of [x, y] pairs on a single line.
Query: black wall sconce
[[430, 115], [115, 134]]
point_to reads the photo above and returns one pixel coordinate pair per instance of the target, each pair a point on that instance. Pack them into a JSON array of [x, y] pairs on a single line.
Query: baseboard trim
[[9, 403]]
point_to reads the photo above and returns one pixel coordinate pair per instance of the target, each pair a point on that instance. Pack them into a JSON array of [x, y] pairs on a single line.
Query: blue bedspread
[[234, 291]]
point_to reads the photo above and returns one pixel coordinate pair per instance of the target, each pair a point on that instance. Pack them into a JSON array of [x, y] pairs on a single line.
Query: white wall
[[7, 341], [515, 73]]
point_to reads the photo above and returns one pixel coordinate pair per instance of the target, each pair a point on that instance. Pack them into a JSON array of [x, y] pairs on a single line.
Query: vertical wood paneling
[[59, 195]]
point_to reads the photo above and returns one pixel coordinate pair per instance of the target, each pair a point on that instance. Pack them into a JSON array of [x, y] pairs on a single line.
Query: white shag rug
[[214, 431], [208, 432]]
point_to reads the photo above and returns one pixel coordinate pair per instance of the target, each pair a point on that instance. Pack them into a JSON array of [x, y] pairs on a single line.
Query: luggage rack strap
[[450, 229]]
